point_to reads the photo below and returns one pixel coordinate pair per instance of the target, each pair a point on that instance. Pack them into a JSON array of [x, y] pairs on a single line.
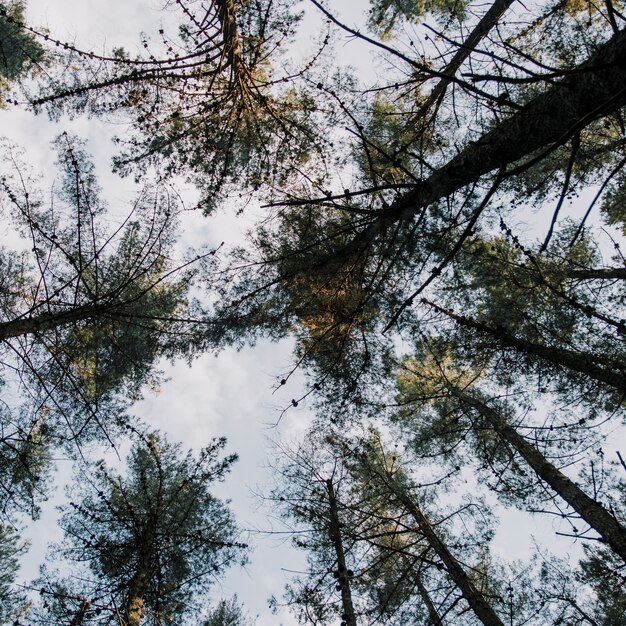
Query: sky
[[232, 394]]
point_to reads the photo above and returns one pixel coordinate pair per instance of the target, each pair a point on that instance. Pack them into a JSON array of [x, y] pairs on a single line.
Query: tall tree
[[341, 267], [87, 311], [216, 101], [154, 540], [353, 508], [463, 412]]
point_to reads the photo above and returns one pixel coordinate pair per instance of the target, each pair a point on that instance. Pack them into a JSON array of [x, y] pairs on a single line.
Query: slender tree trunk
[[487, 22], [435, 619], [226, 12], [78, 619], [474, 597], [334, 531], [577, 361], [613, 533]]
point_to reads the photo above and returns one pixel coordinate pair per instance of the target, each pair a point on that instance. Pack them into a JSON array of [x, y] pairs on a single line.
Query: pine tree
[[153, 540], [206, 102], [87, 312]]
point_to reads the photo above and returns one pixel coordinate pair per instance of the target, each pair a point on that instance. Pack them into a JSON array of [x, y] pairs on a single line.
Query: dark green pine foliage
[[380, 544], [215, 102], [12, 602], [228, 613], [25, 460], [153, 540], [20, 52], [86, 312]]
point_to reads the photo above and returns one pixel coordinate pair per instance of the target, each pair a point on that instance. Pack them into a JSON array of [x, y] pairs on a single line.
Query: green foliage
[[228, 613], [11, 601], [385, 15], [25, 460], [20, 52], [155, 534], [206, 103], [98, 306], [605, 573]]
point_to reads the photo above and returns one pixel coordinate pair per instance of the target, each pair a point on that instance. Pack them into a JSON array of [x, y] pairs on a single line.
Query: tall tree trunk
[[595, 88], [474, 597], [435, 619], [603, 273], [133, 611], [577, 361], [47, 321], [78, 619], [481, 30], [613, 533], [334, 531]]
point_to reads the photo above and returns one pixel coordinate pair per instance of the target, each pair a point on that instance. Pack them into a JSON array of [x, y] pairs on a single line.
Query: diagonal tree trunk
[[595, 88], [433, 615], [480, 31], [334, 531], [613, 533], [594, 366], [481, 608]]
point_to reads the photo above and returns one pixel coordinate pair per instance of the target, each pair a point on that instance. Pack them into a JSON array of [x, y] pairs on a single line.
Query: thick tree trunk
[[577, 361], [603, 273], [474, 597], [47, 321], [613, 533], [589, 91], [334, 531], [133, 611]]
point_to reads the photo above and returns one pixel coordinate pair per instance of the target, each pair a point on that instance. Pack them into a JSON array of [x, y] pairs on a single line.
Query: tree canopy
[[440, 232]]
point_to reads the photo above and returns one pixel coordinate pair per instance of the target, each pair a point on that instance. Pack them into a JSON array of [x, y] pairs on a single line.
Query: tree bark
[[334, 531], [603, 273], [137, 588], [486, 23], [474, 597], [595, 88], [435, 619], [47, 321], [577, 361], [613, 533]]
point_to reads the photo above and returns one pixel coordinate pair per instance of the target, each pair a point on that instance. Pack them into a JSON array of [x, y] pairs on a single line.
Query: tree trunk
[[78, 619], [577, 361], [47, 321], [613, 533], [484, 26], [334, 531], [602, 273], [435, 620], [133, 611], [595, 88], [474, 597]]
